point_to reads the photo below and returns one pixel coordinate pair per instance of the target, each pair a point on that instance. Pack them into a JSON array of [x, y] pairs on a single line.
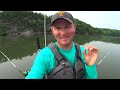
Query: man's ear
[[75, 26], [51, 28]]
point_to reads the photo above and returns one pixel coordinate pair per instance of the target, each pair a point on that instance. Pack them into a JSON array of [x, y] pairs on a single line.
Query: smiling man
[[64, 59]]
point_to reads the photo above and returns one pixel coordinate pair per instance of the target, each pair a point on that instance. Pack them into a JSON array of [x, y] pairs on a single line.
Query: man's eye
[[57, 27], [67, 26]]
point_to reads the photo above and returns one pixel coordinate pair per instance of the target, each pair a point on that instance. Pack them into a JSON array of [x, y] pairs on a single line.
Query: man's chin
[[65, 43]]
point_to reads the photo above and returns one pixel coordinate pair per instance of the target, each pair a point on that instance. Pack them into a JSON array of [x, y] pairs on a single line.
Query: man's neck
[[65, 47]]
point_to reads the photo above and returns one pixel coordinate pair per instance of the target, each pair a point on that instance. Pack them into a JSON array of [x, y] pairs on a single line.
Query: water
[[23, 50]]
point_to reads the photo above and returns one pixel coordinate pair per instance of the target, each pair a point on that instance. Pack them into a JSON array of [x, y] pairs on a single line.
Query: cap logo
[[60, 13]]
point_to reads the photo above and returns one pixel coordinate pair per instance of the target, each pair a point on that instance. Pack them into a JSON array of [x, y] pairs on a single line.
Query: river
[[22, 51]]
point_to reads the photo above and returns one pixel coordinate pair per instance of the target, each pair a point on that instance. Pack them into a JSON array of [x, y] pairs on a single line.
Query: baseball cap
[[64, 15]]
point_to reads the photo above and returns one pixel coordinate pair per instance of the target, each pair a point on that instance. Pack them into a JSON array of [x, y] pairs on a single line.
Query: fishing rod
[[12, 63], [103, 58], [38, 44], [45, 28]]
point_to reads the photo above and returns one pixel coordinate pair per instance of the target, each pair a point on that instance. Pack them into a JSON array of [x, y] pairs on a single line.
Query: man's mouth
[[65, 38]]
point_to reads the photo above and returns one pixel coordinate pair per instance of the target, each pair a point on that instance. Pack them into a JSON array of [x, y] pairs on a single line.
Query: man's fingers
[[91, 48]]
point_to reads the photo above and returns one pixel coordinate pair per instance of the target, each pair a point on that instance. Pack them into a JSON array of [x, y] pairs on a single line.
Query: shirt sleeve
[[90, 71], [38, 69]]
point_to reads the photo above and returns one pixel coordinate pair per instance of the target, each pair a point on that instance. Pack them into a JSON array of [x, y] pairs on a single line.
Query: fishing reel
[[25, 73]]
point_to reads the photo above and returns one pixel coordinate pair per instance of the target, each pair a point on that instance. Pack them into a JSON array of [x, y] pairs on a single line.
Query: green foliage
[[19, 21]]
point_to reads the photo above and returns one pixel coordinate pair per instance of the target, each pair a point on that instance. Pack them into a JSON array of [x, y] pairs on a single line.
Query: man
[[82, 61]]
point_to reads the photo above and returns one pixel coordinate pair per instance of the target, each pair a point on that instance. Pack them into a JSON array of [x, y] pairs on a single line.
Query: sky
[[99, 19]]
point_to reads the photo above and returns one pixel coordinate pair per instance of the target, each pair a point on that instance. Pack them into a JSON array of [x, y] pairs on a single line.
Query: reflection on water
[[23, 50], [8, 71]]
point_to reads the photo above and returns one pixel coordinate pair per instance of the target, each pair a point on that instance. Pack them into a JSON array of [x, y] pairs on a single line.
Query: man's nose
[[63, 31]]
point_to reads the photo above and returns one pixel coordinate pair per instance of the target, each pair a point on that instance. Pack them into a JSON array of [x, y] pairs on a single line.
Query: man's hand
[[92, 54]]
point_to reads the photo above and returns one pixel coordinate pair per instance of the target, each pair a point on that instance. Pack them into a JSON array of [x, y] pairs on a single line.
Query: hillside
[[27, 22]]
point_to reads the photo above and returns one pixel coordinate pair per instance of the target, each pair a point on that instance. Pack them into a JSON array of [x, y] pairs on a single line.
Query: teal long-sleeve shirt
[[45, 62]]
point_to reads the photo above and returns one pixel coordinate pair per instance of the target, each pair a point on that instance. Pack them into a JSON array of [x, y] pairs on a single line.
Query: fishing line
[[103, 58]]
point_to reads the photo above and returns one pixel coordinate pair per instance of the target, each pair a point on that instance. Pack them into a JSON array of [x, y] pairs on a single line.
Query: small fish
[[86, 52]]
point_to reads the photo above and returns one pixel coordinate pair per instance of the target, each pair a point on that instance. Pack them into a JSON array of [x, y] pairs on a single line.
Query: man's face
[[63, 31]]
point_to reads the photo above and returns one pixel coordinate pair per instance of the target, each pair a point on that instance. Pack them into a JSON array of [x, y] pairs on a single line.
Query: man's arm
[[38, 69], [91, 72]]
